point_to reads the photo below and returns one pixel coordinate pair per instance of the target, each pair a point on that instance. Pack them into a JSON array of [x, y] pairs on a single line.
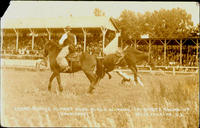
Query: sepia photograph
[[102, 64]]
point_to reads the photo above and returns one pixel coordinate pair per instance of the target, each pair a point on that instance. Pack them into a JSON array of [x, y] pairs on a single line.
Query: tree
[[129, 24], [98, 12], [195, 31], [162, 24], [171, 23]]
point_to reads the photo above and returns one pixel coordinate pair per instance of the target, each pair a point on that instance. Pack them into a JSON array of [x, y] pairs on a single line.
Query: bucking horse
[[129, 57], [83, 61]]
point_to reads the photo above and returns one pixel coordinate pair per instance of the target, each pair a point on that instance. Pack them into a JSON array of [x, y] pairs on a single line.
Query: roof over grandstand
[[61, 22]]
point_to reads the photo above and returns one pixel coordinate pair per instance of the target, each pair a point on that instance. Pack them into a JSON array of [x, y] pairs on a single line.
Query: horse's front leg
[[93, 84], [50, 81], [59, 82]]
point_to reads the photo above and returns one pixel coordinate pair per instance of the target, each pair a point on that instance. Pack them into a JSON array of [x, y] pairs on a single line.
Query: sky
[[47, 9]]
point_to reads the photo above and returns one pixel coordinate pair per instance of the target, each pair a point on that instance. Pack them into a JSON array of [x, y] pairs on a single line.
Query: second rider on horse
[[67, 42]]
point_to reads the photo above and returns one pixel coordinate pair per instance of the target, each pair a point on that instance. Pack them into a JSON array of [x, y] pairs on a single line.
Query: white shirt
[[75, 40], [63, 38]]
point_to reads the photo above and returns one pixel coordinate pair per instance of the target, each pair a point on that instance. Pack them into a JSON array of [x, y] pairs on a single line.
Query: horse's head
[[46, 49], [48, 46], [45, 52]]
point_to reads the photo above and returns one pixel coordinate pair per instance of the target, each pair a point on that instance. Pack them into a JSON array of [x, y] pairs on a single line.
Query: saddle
[[72, 57]]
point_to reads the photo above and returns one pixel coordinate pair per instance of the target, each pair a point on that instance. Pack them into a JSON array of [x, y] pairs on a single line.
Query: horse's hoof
[[90, 91], [110, 77], [49, 88]]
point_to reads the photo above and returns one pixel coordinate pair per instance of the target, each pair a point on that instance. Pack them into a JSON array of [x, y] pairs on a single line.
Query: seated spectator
[[27, 52]]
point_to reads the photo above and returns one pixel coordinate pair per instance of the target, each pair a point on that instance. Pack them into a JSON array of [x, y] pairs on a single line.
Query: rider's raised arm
[[63, 38]]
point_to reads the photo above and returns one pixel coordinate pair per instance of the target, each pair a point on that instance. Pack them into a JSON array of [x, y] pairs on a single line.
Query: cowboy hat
[[68, 28]]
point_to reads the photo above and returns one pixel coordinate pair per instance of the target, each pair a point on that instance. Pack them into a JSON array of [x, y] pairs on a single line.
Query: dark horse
[[131, 57], [85, 62]]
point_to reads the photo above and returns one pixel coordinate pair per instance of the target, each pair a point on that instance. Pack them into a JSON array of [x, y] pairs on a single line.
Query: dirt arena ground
[[165, 101]]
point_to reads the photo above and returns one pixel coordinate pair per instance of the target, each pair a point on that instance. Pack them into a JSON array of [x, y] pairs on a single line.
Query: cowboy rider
[[120, 53], [65, 43]]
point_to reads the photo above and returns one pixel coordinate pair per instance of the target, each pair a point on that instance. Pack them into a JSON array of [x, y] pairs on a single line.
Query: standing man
[[67, 40]]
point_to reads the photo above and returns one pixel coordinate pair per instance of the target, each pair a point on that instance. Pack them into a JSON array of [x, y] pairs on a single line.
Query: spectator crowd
[[94, 46], [173, 55]]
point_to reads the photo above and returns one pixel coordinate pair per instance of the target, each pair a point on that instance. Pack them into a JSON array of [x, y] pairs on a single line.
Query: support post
[[197, 52], [181, 47], [49, 33], [165, 50], [149, 58], [17, 39], [104, 30], [135, 44], [17, 42], [33, 37], [1, 39], [84, 34]]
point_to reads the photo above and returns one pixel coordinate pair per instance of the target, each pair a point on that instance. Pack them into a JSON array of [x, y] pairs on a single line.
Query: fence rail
[[31, 64], [174, 69]]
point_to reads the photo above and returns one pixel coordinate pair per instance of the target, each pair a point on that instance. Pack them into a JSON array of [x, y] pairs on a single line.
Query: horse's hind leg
[[93, 84], [59, 82], [50, 81], [134, 70], [93, 80], [109, 76], [136, 78]]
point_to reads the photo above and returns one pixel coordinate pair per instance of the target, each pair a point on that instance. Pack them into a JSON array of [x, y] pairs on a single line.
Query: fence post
[[150, 69], [174, 71]]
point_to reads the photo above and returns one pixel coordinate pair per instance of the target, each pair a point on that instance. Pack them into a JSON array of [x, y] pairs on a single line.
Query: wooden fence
[[166, 69], [32, 65]]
